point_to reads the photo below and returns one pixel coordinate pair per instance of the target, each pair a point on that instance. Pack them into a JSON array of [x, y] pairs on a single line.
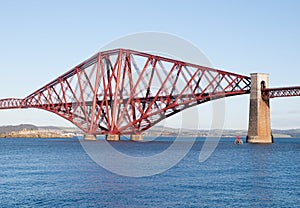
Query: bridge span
[[122, 91]]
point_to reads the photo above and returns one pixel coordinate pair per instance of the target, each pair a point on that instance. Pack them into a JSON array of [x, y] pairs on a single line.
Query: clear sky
[[39, 40]]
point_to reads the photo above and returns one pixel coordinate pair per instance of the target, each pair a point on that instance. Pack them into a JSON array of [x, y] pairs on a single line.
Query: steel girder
[[11, 103], [281, 92], [124, 91]]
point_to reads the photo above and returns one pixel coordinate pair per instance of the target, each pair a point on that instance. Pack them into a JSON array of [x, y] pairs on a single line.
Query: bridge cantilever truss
[[124, 91]]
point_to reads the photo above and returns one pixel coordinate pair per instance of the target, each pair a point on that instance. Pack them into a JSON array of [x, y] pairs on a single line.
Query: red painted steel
[[281, 92], [124, 91], [10, 103]]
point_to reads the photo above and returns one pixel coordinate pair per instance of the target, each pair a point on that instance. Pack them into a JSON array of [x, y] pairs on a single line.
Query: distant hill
[[32, 131], [292, 132], [7, 129]]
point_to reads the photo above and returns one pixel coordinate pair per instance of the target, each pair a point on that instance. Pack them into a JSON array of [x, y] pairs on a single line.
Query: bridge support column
[[90, 137], [259, 129], [136, 137], [112, 137]]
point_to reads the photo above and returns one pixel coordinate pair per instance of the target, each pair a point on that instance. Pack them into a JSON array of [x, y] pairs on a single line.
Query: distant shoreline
[[162, 136], [32, 131], [33, 136]]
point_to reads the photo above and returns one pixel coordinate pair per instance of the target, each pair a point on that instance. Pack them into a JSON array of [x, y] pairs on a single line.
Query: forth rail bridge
[[125, 92]]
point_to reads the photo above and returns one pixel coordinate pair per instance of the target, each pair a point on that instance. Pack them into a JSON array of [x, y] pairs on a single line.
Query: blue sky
[[39, 40]]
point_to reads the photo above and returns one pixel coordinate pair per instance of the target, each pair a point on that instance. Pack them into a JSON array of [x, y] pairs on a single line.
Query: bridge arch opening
[[263, 85]]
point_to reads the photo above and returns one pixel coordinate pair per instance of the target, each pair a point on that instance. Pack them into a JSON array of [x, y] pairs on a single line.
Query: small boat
[[238, 140]]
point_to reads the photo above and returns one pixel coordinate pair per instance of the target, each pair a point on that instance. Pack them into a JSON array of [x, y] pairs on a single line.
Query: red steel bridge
[[126, 92]]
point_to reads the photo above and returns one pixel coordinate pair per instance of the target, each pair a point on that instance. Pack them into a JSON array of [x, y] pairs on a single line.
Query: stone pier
[[90, 137], [259, 130], [112, 137], [136, 137]]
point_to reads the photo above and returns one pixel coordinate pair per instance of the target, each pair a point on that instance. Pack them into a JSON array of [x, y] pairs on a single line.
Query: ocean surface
[[59, 173]]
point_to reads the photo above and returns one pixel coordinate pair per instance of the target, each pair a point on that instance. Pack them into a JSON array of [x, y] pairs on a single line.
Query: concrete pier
[[90, 137], [112, 137], [136, 137], [259, 130]]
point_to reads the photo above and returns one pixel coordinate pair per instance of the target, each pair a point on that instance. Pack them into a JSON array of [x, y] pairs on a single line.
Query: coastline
[[31, 131]]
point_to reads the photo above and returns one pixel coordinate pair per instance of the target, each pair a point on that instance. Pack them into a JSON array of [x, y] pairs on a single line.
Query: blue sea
[[59, 173]]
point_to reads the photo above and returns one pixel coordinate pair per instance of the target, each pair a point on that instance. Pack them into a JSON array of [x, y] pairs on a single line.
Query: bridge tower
[[259, 129]]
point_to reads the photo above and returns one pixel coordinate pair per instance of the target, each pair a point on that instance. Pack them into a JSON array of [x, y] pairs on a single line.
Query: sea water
[[59, 173]]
